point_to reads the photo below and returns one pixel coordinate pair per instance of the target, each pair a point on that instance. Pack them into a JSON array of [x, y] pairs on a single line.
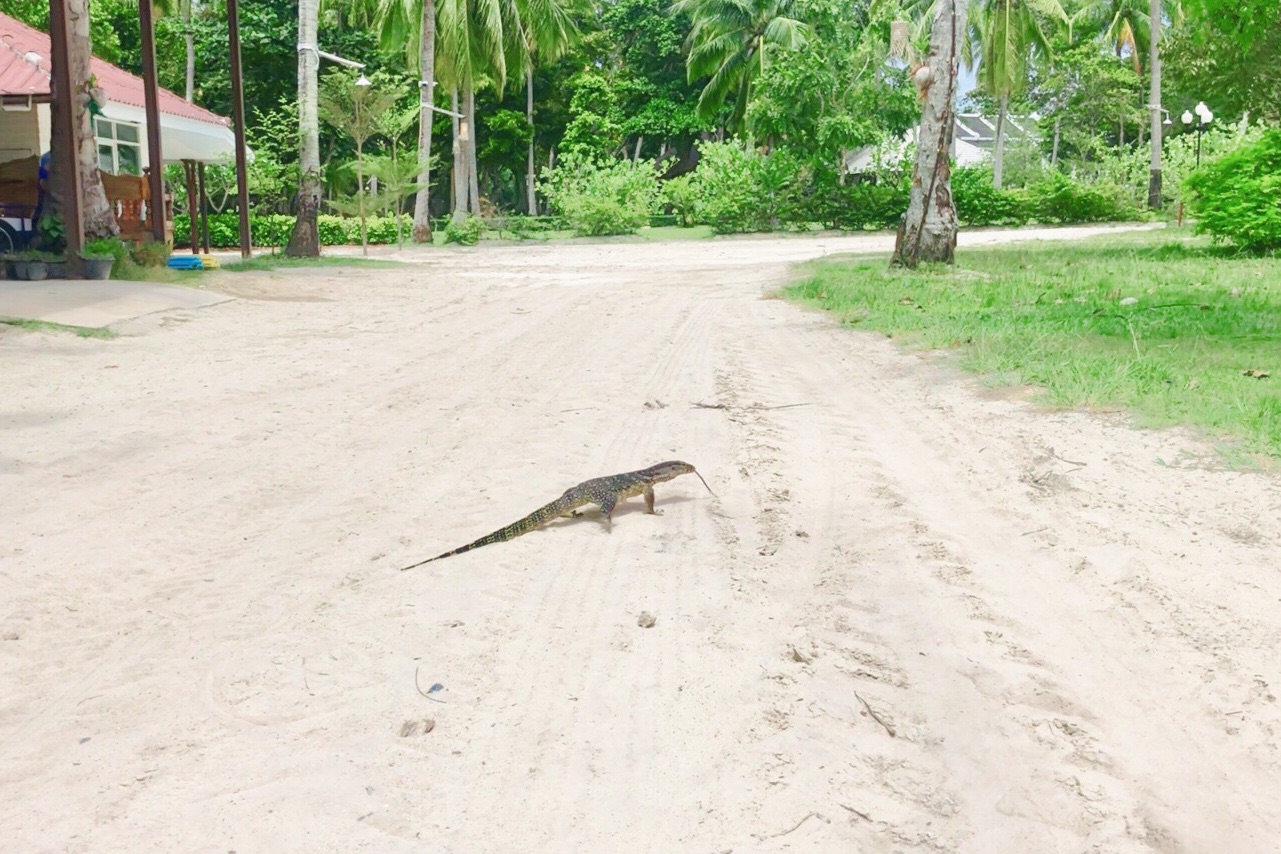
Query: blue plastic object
[[186, 262]]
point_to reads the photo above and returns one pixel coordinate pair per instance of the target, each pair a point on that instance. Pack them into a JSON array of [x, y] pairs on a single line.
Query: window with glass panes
[[119, 147]]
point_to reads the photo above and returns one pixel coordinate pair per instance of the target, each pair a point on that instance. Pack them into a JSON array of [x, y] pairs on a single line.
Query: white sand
[[207, 645]]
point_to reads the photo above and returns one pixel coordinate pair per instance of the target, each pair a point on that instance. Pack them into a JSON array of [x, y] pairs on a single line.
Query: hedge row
[[274, 229]]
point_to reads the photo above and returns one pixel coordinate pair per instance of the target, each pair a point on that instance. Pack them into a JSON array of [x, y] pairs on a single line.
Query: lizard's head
[[674, 468]]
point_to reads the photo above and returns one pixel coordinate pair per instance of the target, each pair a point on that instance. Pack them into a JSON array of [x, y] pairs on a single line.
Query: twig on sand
[[858, 813], [421, 691], [752, 407], [1069, 462], [877, 717], [796, 826]]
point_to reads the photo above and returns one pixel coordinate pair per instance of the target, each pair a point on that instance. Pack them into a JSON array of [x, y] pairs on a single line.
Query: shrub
[[735, 189], [275, 229], [1060, 199], [1237, 198], [105, 247], [980, 203], [866, 204], [151, 253], [466, 231], [602, 196], [682, 195]]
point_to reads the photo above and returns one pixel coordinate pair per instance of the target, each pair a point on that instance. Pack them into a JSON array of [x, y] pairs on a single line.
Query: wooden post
[[204, 208], [65, 172], [151, 92], [193, 224], [238, 113]]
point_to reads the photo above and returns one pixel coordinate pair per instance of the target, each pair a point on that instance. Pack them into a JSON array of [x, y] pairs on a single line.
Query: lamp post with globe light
[[1205, 117]]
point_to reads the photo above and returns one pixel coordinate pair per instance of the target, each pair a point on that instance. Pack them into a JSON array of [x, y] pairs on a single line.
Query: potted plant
[[32, 265], [100, 256]]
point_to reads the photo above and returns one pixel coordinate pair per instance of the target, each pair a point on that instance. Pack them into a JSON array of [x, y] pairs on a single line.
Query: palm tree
[[1123, 24], [549, 27], [1005, 37], [305, 239], [478, 41], [728, 42], [928, 229], [410, 25]]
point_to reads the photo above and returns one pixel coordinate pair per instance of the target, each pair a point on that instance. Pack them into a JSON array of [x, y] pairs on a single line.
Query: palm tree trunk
[[189, 38], [1154, 104], [1054, 152], [636, 154], [998, 153], [427, 100], [360, 196], [928, 229], [99, 217], [460, 165], [305, 239], [531, 199], [473, 175]]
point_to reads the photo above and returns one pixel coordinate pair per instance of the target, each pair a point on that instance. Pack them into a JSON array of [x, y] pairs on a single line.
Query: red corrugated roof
[[25, 65]]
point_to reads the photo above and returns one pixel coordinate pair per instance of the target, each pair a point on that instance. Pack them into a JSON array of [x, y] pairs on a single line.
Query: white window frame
[[111, 141]]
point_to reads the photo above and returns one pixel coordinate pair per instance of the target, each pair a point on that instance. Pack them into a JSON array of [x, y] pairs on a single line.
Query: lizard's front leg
[[649, 501]]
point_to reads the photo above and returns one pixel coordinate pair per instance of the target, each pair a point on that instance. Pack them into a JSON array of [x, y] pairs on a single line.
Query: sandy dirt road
[[917, 616]]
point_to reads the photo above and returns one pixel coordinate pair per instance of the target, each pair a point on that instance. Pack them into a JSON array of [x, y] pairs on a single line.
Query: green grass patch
[[1172, 330], [265, 263], [676, 232], [45, 326]]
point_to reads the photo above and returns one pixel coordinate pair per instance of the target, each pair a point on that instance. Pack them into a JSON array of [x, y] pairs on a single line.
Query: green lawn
[[1159, 324], [264, 262], [47, 326]]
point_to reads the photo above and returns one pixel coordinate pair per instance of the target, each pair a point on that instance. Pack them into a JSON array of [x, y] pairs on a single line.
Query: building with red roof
[[188, 132]]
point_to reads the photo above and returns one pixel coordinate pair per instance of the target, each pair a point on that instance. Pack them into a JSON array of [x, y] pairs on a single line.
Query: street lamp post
[[1203, 113], [1203, 117]]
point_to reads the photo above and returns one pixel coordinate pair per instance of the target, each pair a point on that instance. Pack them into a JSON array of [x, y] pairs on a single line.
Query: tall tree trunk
[[99, 217], [928, 229], [998, 153], [189, 38], [460, 164], [427, 100], [1054, 152], [304, 242], [531, 199], [360, 196], [1121, 131], [1154, 104], [473, 173]]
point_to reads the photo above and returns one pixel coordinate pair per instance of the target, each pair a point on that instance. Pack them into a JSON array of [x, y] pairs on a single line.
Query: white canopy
[[182, 138]]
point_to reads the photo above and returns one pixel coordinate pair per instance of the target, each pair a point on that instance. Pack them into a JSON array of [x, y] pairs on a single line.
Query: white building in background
[[973, 139]]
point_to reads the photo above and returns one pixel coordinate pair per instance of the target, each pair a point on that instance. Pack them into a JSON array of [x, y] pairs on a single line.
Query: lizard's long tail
[[543, 514]]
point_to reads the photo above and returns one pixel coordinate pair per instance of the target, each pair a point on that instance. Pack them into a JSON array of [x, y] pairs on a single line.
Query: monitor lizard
[[604, 492]]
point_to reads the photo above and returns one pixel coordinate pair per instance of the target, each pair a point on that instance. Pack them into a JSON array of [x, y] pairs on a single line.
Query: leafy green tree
[[1086, 99], [836, 92], [355, 111], [729, 42], [1205, 59]]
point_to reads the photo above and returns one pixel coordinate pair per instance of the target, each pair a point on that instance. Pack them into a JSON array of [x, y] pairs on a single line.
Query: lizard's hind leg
[[606, 503]]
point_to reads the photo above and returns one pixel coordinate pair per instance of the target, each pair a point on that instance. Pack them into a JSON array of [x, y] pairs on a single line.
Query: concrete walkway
[[96, 303]]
